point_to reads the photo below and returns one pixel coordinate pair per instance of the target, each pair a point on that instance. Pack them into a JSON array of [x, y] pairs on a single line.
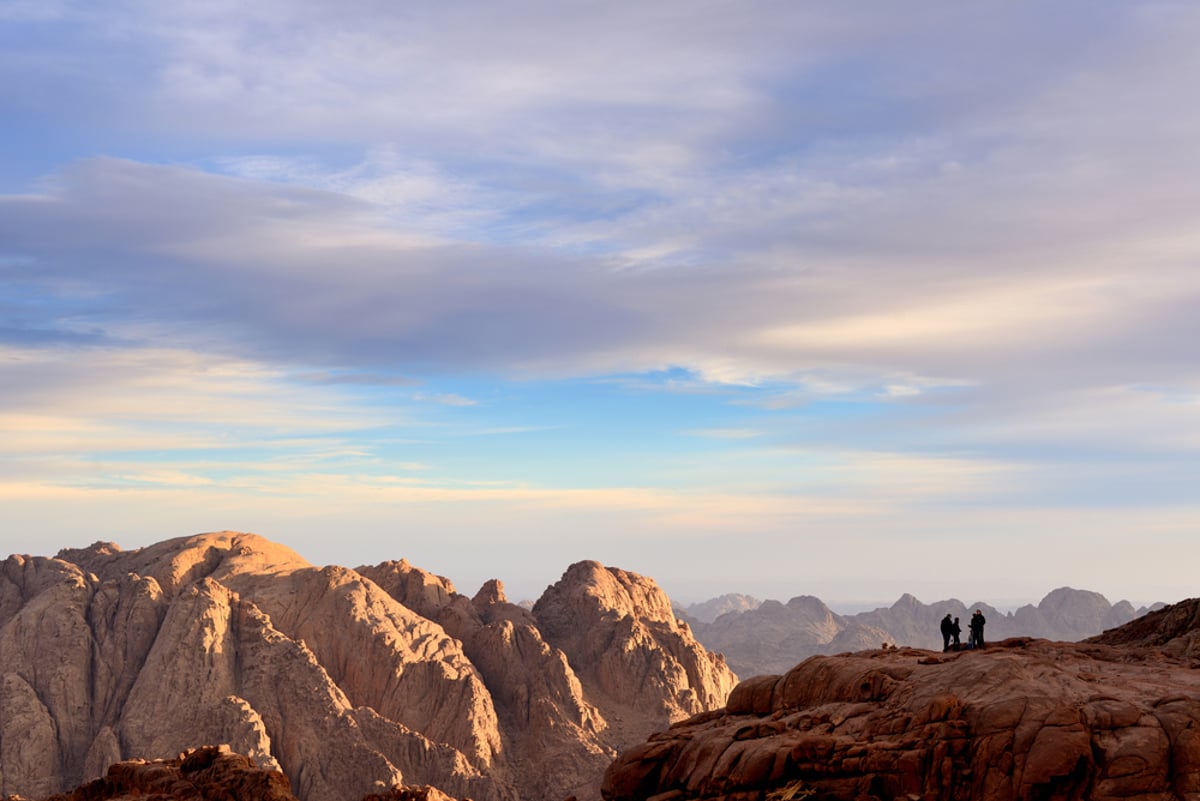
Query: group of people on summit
[[951, 632]]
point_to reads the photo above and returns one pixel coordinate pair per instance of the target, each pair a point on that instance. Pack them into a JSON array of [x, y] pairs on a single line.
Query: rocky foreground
[[1022, 720], [209, 773], [347, 681]]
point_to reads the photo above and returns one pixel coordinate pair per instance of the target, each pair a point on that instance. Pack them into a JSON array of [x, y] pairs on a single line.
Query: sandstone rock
[[1174, 628], [557, 739], [419, 590], [346, 681], [381, 654], [639, 665], [210, 773], [179, 562], [409, 793], [1027, 719]]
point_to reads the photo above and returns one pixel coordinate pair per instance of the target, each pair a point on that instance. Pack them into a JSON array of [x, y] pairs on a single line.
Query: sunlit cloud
[[837, 280]]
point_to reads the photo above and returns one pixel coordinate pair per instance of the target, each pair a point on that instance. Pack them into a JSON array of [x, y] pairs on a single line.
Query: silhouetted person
[[977, 621], [947, 632], [955, 631]]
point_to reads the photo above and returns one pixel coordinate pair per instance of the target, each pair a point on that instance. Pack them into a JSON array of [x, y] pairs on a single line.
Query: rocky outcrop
[[641, 665], [773, 637], [1175, 629], [212, 773], [209, 773], [1027, 719], [347, 681], [558, 741]]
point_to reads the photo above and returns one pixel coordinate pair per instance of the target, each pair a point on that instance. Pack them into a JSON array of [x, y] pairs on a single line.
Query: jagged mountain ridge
[[773, 636], [713, 608], [347, 680]]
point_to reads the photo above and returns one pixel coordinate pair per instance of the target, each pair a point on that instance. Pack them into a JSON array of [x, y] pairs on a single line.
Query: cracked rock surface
[[347, 681], [1021, 720]]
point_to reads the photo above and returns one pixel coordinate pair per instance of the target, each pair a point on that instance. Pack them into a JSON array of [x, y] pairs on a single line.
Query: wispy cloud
[[724, 433], [445, 398]]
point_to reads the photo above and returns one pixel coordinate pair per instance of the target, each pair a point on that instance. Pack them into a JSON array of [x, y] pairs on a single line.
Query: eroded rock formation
[[211, 773], [644, 670], [347, 681], [1027, 719], [1175, 629]]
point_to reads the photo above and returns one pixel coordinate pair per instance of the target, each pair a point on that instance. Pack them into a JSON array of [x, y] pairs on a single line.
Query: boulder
[[209, 773]]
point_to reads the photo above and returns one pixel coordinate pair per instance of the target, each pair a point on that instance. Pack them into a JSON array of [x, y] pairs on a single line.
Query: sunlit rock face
[[347, 681], [1024, 719], [640, 664]]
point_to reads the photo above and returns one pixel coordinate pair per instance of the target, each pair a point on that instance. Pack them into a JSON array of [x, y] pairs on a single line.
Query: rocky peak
[[176, 563], [492, 592], [96, 550], [421, 591], [710, 610], [642, 666], [811, 606], [597, 591]]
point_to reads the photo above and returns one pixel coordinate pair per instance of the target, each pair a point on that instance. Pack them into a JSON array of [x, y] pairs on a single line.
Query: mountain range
[[770, 637], [348, 681], [241, 671]]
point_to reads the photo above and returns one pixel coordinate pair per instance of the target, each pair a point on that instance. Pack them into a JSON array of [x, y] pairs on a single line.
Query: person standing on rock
[[956, 632], [947, 632], [977, 621]]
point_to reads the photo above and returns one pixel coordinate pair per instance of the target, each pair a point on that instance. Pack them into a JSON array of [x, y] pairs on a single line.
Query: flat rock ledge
[[1022, 720]]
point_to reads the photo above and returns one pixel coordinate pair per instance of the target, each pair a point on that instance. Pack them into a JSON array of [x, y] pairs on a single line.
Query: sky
[[780, 298]]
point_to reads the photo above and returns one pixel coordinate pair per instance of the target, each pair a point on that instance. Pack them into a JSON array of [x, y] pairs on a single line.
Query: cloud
[[933, 256], [119, 250], [447, 398], [724, 433]]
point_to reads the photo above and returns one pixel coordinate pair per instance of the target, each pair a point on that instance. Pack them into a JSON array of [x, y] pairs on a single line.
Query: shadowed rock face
[[209, 773], [347, 681], [205, 774], [1027, 719], [1175, 629]]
